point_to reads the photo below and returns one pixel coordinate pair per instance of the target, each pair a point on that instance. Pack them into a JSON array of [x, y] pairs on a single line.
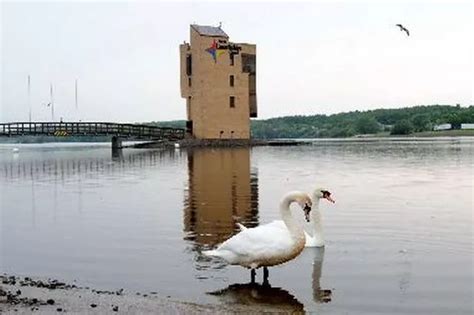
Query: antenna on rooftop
[[220, 25]]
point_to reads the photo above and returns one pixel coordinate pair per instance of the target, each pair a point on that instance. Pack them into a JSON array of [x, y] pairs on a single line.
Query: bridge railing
[[64, 129]]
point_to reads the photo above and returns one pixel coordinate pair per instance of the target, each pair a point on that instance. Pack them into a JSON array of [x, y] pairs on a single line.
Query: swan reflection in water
[[273, 299], [319, 295]]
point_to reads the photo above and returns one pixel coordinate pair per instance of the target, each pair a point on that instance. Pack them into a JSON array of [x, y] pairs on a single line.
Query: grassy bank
[[446, 133], [427, 134]]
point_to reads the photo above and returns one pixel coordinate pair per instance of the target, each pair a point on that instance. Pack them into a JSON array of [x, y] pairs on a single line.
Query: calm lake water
[[399, 238]]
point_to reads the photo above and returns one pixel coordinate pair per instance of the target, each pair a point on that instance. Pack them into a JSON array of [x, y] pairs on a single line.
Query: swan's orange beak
[[307, 210]]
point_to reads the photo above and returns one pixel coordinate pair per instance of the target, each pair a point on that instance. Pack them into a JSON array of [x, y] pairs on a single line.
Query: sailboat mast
[[52, 101], [75, 94], [29, 98]]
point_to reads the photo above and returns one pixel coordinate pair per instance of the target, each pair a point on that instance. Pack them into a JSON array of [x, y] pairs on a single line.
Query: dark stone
[[50, 301], [93, 305], [59, 309], [115, 308]]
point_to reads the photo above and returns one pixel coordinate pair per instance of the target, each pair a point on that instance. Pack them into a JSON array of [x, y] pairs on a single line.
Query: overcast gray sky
[[312, 57]]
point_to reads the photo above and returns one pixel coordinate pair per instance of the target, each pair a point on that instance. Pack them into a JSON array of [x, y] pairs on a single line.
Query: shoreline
[[223, 143], [24, 295], [236, 143]]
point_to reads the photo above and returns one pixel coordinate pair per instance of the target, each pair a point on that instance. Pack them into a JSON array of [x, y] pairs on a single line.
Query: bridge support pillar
[[117, 155], [116, 143]]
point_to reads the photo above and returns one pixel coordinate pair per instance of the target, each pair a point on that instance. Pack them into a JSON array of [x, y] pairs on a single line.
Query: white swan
[[269, 244], [314, 237]]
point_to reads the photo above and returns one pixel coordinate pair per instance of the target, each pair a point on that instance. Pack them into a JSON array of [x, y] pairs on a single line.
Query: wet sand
[[24, 295]]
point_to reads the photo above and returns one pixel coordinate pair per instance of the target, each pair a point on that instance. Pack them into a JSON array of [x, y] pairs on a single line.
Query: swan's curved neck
[[286, 216], [317, 224]]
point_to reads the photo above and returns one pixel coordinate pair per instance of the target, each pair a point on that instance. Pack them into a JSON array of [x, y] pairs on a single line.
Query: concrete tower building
[[218, 81]]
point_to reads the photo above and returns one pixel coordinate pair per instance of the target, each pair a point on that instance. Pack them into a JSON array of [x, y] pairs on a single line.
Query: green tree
[[421, 122], [403, 127], [367, 124]]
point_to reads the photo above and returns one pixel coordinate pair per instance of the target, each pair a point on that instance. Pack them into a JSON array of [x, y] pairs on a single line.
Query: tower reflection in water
[[222, 190]]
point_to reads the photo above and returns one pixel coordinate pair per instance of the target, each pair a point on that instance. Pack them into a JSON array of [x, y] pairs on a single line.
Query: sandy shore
[[23, 295]]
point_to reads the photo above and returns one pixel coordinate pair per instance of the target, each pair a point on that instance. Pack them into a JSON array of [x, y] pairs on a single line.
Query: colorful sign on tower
[[215, 51]]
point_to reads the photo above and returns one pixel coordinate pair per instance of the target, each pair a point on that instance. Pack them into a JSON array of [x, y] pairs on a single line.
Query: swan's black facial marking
[[307, 210], [327, 195]]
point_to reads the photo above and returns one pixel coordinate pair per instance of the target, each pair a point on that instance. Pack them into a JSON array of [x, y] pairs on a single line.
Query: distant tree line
[[399, 121]]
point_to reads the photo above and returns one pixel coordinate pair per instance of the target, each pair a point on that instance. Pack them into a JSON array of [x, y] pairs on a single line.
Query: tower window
[[231, 80], [231, 59], [189, 81], [189, 65], [249, 63], [232, 101]]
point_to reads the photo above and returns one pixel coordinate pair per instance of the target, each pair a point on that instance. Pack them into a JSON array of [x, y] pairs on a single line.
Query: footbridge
[[117, 131]]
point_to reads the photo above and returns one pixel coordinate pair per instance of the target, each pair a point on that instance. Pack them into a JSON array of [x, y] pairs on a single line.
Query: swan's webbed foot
[[252, 275]]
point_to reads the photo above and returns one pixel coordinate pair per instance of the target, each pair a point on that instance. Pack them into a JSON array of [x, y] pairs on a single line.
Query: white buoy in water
[[176, 145], [16, 150]]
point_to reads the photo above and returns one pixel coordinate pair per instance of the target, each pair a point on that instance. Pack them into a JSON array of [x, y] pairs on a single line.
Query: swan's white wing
[[261, 242], [277, 224], [311, 240]]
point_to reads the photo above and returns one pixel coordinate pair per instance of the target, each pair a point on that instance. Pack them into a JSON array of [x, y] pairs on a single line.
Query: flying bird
[[402, 28]]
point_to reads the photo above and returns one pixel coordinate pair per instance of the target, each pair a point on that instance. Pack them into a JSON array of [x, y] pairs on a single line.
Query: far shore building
[[218, 81]]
